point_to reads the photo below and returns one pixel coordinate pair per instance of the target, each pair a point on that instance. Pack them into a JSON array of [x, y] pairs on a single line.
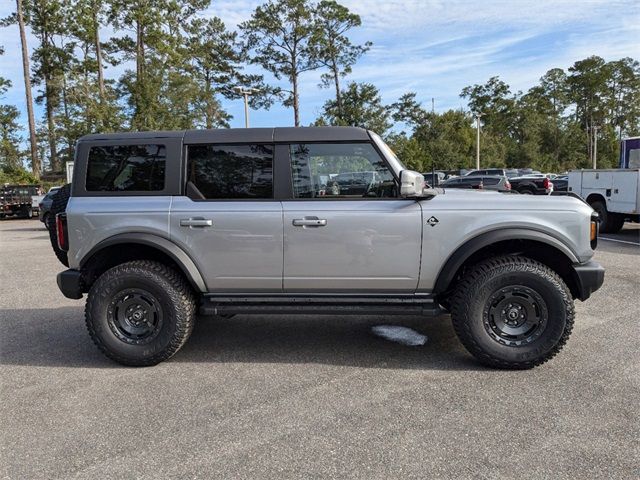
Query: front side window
[[126, 168], [230, 171], [340, 170]]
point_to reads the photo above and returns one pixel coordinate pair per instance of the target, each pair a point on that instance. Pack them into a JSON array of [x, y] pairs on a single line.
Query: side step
[[320, 304]]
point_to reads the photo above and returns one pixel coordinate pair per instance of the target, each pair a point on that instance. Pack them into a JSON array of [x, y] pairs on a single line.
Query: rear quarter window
[[126, 168]]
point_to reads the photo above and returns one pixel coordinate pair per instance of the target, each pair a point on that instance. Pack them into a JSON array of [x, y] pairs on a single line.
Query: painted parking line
[[619, 241]]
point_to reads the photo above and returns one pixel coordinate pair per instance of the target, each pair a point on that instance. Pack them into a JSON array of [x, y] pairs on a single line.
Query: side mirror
[[411, 183]]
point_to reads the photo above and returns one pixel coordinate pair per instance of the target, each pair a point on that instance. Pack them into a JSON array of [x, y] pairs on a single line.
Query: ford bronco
[[162, 226]]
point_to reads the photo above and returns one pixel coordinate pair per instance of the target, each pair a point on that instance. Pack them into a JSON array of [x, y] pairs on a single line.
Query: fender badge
[[433, 221]]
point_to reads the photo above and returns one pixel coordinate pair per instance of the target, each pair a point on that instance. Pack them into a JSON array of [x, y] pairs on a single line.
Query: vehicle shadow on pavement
[[58, 338]]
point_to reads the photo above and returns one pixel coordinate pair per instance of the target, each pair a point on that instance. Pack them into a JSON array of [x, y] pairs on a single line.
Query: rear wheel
[[140, 313], [609, 222], [512, 312]]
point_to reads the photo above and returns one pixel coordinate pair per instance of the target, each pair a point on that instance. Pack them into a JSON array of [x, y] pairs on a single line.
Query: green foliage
[[280, 33], [16, 175], [361, 107]]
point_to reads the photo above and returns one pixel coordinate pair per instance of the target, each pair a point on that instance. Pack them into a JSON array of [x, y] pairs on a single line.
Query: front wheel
[[140, 313], [512, 312]]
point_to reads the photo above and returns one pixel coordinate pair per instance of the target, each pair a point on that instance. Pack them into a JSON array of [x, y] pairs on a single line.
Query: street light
[[246, 92], [478, 115]]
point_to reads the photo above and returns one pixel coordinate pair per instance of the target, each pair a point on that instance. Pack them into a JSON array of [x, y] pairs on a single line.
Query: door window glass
[[126, 168], [230, 171], [340, 170]]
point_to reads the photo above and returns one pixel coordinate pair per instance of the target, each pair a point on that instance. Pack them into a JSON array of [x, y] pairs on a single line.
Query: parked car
[[532, 185], [479, 182], [488, 171], [45, 207], [561, 183], [434, 179], [162, 226]]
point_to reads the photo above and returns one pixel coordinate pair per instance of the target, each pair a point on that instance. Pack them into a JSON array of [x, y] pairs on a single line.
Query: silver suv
[[161, 226]]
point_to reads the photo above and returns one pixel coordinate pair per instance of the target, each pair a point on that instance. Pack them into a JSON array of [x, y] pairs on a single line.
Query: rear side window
[[126, 168], [490, 181], [230, 171]]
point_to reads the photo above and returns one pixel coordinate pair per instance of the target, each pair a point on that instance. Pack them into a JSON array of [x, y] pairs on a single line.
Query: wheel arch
[[139, 246], [595, 197], [537, 245]]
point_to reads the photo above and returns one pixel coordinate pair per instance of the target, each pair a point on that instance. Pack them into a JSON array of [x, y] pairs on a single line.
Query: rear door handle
[[196, 222], [309, 222]]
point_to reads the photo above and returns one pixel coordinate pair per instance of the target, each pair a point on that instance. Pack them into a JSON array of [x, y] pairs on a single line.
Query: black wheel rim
[[135, 316], [515, 316]]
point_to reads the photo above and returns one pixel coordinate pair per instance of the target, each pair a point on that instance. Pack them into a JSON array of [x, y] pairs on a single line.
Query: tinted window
[[343, 170], [126, 168], [231, 171], [490, 181]]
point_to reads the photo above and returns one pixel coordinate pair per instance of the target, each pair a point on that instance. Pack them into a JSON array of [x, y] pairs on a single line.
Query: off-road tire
[[167, 287], [471, 307], [58, 205]]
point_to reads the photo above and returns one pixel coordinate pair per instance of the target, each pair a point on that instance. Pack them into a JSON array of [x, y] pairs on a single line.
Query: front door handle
[[309, 222], [196, 222]]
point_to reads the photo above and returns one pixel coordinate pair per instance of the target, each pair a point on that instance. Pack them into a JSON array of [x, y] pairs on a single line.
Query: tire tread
[[180, 294], [483, 272]]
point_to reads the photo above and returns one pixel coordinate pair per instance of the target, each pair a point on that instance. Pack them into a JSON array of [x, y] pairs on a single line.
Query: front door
[[346, 230], [228, 221]]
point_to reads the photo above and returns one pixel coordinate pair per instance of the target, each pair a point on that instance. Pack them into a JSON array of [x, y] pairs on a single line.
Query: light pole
[[246, 92], [478, 115]]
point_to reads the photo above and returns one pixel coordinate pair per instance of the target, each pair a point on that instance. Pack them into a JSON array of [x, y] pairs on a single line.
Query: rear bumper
[[590, 277], [70, 283]]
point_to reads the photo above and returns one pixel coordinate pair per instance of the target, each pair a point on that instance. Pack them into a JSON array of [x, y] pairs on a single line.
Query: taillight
[[546, 184], [507, 186], [61, 231]]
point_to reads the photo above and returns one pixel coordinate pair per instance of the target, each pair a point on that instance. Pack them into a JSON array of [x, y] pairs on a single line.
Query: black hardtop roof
[[243, 135]]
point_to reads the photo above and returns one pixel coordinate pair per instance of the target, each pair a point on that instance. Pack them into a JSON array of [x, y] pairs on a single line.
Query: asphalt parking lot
[[311, 397]]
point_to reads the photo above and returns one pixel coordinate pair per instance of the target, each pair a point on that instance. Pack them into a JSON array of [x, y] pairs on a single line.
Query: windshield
[[391, 157]]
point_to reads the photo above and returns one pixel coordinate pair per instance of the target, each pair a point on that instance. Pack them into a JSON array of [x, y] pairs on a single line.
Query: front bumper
[[590, 276], [70, 283]]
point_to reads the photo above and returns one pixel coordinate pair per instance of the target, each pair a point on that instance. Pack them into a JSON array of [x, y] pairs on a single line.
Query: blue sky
[[432, 47]]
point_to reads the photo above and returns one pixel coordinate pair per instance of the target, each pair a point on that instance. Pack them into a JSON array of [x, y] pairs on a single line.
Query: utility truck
[[613, 193]]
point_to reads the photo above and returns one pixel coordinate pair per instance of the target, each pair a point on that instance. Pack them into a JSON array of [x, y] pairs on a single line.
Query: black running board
[[319, 304]]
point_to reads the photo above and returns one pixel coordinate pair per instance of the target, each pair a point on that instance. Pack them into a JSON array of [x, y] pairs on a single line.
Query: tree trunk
[[139, 115], [296, 112], [98, 48], [35, 160], [46, 45], [336, 79]]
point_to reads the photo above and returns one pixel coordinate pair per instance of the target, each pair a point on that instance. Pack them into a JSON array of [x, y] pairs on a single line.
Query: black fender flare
[[184, 261], [463, 252]]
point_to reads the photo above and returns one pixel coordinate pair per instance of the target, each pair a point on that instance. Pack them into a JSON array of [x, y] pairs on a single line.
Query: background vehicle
[[561, 183], [44, 206], [630, 153], [17, 200], [614, 194], [434, 179], [488, 171], [532, 185], [477, 182], [162, 225]]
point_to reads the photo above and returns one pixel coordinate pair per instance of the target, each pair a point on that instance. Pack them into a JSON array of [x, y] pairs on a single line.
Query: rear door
[[363, 239], [228, 221]]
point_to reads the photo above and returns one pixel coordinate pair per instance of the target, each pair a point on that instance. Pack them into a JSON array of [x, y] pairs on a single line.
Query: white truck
[[614, 194]]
